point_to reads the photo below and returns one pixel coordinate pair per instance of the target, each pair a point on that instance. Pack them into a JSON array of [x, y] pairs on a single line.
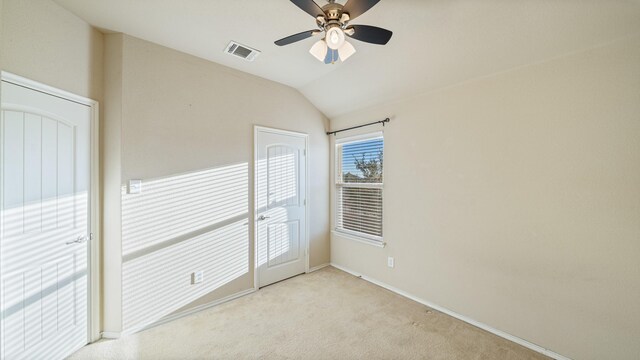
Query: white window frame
[[356, 235]]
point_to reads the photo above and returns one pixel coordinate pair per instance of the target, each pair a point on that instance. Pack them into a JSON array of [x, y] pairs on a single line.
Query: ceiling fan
[[333, 20]]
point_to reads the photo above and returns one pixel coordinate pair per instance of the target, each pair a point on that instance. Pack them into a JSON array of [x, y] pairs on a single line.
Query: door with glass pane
[[44, 221], [280, 168]]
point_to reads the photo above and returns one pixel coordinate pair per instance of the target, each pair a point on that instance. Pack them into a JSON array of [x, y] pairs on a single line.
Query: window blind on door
[[359, 186]]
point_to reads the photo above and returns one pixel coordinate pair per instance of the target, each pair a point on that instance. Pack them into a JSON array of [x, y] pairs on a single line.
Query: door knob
[[262, 217]]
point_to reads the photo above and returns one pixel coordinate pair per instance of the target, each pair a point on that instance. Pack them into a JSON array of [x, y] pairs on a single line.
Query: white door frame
[[257, 129], [93, 317]]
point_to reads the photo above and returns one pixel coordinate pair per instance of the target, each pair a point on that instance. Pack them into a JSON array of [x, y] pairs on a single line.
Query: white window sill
[[360, 239]]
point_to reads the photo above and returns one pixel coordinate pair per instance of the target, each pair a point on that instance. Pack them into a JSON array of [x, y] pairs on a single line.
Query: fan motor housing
[[333, 11]]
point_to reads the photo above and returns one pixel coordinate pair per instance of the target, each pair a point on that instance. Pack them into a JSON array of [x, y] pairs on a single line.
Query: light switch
[[390, 262], [135, 186]]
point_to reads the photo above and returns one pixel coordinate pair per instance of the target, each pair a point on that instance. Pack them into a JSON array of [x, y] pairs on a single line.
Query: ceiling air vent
[[242, 51]]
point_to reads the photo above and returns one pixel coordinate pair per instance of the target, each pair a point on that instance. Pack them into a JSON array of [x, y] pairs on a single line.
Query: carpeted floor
[[327, 314]]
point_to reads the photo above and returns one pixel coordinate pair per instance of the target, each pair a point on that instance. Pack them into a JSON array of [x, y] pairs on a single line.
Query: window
[[359, 186]]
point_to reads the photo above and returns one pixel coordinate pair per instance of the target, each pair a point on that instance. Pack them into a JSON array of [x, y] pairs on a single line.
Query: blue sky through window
[[368, 152]]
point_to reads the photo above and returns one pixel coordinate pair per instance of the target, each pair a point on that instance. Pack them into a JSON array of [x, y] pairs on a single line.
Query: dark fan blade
[[356, 8], [310, 7], [297, 37], [370, 34]]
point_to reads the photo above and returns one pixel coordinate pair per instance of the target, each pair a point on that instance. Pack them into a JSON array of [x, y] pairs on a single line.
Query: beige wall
[[185, 119], [111, 159], [44, 42], [515, 200]]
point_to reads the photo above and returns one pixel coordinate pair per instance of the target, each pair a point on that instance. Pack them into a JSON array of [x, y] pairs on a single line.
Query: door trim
[[254, 212], [93, 281]]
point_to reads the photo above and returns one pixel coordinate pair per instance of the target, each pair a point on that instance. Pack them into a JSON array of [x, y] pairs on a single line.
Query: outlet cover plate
[[135, 186], [197, 277]]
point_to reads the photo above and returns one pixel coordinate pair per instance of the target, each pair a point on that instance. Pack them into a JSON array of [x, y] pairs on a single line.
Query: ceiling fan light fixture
[[346, 50], [319, 50], [335, 38], [333, 19]]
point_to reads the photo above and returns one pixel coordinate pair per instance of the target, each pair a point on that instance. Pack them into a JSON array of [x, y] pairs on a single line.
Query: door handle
[[262, 217], [79, 240]]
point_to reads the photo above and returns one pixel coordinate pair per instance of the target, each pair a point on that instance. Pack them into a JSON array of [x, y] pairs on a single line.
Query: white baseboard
[[316, 268], [193, 310], [110, 335], [502, 334]]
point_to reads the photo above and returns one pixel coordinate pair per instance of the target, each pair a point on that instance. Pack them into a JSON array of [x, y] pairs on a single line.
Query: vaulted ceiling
[[436, 43]]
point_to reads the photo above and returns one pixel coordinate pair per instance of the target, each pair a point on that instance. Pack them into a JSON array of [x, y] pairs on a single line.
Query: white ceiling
[[436, 43]]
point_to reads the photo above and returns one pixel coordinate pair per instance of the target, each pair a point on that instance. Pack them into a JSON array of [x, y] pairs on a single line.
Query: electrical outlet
[[390, 262], [197, 277]]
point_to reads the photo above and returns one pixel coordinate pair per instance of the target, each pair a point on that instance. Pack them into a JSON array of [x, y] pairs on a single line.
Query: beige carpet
[[327, 314]]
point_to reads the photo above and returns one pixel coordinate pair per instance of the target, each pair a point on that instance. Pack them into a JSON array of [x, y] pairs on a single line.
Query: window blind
[[359, 179]]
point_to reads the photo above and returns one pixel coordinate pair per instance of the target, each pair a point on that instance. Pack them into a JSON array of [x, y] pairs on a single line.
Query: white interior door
[[45, 178], [281, 205]]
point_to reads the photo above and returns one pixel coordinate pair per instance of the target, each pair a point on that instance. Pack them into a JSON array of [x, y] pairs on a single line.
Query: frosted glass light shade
[[319, 50], [335, 38], [346, 50]]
